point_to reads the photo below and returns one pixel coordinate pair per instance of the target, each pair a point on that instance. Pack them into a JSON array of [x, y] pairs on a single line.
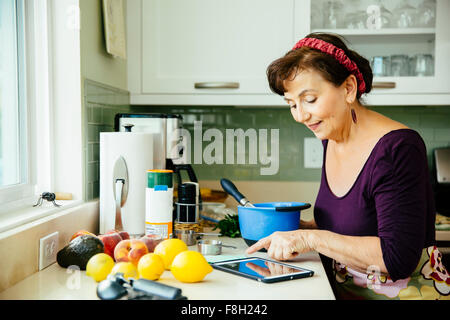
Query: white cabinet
[[206, 51], [398, 34], [216, 52]]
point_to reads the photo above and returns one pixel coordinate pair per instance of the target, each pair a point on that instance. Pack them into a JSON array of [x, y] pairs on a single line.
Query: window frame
[[16, 194], [54, 96]]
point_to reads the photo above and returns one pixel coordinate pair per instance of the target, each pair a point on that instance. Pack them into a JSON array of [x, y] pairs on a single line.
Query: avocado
[[79, 251]]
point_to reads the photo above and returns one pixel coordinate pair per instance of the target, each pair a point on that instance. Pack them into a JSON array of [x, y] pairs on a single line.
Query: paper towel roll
[[137, 150]]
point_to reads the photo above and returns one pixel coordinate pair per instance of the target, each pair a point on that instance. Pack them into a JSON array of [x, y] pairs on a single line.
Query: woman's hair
[[327, 66]]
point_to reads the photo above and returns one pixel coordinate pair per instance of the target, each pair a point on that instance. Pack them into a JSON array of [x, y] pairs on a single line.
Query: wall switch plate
[[48, 247], [313, 153]]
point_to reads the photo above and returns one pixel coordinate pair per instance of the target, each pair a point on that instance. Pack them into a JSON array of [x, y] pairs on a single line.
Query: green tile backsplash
[[432, 122], [101, 103]]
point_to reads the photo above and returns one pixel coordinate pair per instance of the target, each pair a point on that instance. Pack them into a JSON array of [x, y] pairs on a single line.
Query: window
[[40, 107], [14, 152]]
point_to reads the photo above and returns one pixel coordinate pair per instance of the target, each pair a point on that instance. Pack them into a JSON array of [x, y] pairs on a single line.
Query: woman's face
[[318, 104]]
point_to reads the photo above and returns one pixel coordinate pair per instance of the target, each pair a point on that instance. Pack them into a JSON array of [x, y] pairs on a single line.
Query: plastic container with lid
[[159, 203]]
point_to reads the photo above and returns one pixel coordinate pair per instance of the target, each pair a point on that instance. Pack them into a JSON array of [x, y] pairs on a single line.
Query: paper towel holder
[[120, 188]]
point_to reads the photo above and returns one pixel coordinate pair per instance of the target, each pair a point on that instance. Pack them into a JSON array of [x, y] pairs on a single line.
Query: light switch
[[313, 153]]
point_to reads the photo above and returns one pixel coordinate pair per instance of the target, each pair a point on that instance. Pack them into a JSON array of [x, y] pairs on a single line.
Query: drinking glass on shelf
[[355, 16], [380, 65], [399, 65], [426, 14], [356, 20], [378, 16], [316, 14], [405, 15], [422, 65], [333, 14]]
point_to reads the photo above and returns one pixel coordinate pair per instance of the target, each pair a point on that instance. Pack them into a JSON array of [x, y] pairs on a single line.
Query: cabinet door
[[212, 46], [353, 20]]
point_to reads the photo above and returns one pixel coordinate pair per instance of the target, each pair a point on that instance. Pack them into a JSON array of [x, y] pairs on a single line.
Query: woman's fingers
[[289, 253], [263, 243], [281, 245]]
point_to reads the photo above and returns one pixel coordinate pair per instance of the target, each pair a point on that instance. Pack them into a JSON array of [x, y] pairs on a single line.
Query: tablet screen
[[261, 268]]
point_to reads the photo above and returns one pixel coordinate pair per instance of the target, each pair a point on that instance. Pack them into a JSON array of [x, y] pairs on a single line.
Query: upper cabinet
[[407, 43], [216, 52], [206, 51]]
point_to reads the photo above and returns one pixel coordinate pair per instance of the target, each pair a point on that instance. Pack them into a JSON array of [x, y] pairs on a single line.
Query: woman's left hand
[[283, 245]]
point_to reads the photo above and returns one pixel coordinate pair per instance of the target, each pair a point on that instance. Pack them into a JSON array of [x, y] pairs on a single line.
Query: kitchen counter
[[59, 283]]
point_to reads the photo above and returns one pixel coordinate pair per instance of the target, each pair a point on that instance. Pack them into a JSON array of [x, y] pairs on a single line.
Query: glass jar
[[422, 65], [381, 66], [399, 65]]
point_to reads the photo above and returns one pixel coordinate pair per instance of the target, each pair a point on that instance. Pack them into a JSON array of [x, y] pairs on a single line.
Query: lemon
[[168, 249], [150, 266], [127, 268], [99, 266], [190, 266]]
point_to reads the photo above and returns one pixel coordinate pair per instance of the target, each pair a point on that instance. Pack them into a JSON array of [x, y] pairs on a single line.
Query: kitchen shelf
[[380, 32]]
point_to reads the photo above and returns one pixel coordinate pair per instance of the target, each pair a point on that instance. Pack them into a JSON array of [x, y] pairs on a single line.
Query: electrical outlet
[[313, 153], [48, 247]]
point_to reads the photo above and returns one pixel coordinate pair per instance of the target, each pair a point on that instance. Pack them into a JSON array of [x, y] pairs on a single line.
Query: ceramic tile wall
[[433, 123], [101, 104]]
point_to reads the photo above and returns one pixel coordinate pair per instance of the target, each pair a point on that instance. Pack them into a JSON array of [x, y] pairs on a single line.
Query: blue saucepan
[[265, 218], [260, 220]]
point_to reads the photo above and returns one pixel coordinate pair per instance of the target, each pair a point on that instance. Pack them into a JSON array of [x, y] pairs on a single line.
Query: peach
[[81, 233], [110, 242], [151, 241], [123, 234], [130, 250]]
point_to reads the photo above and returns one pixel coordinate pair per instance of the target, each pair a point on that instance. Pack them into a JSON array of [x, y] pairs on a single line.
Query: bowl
[[213, 211], [268, 217]]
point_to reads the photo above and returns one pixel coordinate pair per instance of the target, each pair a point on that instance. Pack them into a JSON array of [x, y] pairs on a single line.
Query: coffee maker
[[168, 139], [141, 141]]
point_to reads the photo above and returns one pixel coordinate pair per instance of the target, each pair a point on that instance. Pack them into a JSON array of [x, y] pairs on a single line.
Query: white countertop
[[59, 283]]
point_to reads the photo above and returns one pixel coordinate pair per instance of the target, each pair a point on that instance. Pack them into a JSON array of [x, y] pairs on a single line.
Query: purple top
[[391, 198]]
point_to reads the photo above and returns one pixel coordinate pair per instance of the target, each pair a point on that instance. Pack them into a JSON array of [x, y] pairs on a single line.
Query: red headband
[[338, 54]]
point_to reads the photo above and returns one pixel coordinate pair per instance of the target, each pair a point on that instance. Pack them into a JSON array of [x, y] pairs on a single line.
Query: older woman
[[374, 213]]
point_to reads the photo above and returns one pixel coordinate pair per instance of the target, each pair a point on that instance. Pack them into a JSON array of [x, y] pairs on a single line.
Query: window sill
[[20, 218]]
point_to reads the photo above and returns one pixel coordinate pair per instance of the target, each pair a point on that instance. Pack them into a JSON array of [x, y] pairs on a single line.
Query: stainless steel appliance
[[168, 139], [441, 180], [441, 188]]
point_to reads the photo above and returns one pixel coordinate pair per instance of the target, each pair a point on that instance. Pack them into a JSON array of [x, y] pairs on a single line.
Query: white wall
[[96, 63]]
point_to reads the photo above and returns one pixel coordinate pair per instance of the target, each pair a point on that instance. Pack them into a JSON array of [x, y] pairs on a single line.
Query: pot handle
[[231, 189], [294, 208]]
